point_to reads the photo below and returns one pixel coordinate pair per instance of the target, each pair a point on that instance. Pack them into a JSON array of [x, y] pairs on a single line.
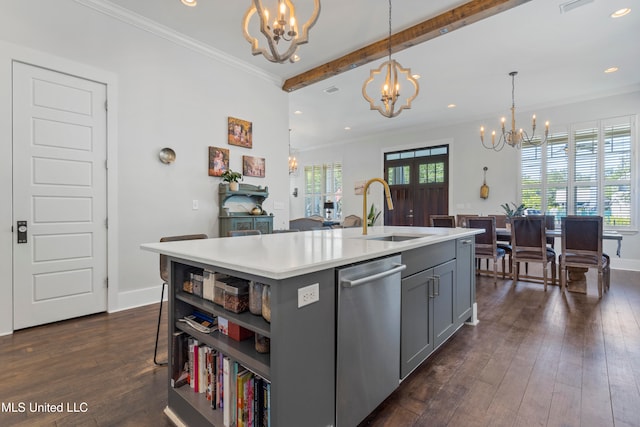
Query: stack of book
[[243, 397]]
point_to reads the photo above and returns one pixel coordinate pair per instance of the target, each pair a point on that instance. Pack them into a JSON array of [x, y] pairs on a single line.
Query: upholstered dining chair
[[486, 247], [237, 233], [306, 223], [448, 221], [461, 219], [529, 244], [582, 247], [164, 275], [550, 224], [352, 221]]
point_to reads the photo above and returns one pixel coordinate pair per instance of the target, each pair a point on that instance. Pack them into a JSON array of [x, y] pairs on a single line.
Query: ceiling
[[560, 57]]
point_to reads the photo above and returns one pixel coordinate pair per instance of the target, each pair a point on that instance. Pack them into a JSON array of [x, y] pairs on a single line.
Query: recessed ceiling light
[[295, 58], [297, 112], [190, 3], [451, 106], [347, 128], [331, 89], [611, 70], [416, 76], [621, 12]]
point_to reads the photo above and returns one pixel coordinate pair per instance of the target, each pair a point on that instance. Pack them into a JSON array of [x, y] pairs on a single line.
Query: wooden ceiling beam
[[444, 23]]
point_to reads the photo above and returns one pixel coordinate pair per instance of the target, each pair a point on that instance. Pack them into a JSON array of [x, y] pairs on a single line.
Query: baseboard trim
[[139, 298], [625, 264]]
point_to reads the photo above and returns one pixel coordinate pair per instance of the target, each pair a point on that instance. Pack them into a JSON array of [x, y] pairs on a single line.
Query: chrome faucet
[[387, 192]]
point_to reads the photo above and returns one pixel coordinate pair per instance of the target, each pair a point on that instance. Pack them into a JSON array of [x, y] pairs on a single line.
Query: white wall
[[167, 96], [362, 160]]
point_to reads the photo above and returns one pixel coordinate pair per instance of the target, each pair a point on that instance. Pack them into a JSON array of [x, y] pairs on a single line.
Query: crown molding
[[128, 17]]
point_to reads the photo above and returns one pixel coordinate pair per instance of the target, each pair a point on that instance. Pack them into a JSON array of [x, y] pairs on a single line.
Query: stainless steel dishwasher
[[368, 337]]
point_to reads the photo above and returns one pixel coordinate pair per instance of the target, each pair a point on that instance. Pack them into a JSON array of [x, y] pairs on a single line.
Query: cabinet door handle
[[430, 287], [436, 281], [465, 242]]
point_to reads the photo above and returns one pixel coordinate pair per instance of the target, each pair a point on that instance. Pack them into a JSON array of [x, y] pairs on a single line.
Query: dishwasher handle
[[361, 281]]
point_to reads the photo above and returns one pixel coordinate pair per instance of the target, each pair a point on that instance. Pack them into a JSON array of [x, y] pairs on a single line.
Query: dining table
[[576, 282], [606, 235]]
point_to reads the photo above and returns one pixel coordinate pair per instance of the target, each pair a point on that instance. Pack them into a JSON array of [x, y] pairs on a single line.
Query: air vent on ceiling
[[331, 89], [570, 5]]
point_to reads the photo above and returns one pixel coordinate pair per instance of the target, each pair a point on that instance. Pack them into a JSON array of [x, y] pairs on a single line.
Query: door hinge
[[106, 105], [106, 282], [106, 223], [106, 164]]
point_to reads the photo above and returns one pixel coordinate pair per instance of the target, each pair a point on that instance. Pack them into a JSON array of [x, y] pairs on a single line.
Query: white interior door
[[60, 190]]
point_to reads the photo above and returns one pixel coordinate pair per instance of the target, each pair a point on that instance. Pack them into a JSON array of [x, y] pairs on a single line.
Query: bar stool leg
[[155, 350]]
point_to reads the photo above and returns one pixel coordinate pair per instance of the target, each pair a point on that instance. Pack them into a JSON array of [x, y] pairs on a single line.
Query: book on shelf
[[202, 370], [241, 397], [179, 357], [226, 413], [201, 322]]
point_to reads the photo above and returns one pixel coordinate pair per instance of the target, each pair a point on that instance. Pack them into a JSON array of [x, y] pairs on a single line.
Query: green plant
[[516, 211], [231, 176], [373, 215]]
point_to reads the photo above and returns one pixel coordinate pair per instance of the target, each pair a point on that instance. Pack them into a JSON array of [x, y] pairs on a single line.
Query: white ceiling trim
[[153, 27]]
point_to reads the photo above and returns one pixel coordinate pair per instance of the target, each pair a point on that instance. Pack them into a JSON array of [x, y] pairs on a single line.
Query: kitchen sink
[[395, 237]]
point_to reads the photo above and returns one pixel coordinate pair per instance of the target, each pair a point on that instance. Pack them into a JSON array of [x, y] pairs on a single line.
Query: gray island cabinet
[[437, 289]]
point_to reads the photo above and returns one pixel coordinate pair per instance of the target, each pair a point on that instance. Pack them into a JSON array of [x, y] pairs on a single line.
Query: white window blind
[[585, 171], [323, 183]]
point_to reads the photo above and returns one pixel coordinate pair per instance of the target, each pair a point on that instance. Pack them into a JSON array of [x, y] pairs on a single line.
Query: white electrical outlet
[[195, 205], [308, 294]]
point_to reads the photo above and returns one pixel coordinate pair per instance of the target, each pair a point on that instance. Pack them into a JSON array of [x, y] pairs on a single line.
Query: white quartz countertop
[[284, 255]]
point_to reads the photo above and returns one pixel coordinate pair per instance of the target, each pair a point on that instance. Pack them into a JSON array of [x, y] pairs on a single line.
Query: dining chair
[[238, 233], [550, 224], [461, 219], [501, 220], [164, 275], [486, 244], [306, 223], [448, 221], [582, 247], [352, 221], [529, 244]]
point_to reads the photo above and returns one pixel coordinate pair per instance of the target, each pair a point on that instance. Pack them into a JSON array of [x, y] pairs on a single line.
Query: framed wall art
[[240, 133], [253, 166], [218, 161]]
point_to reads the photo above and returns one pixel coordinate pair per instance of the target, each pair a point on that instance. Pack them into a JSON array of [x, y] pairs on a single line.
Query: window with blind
[[323, 183], [584, 171]]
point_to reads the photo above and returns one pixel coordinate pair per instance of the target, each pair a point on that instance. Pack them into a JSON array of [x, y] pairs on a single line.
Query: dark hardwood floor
[[535, 359]]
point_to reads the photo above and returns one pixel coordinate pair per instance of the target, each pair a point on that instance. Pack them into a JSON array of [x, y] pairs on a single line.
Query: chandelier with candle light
[[283, 35], [514, 138], [390, 88]]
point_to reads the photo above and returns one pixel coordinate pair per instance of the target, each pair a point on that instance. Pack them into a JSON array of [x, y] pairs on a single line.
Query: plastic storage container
[[218, 292], [255, 298], [236, 297]]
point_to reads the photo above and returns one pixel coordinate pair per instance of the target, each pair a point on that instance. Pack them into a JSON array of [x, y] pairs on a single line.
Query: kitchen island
[[437, 290]]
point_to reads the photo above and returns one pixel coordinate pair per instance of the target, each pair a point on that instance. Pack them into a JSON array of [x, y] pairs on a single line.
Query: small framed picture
[[358, 188], [218, 161], [240, 133], [253, 166]]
